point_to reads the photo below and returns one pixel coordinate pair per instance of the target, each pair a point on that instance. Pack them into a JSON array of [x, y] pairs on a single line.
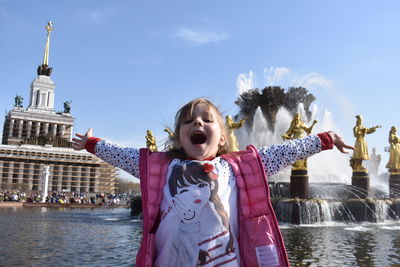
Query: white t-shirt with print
[[205, 231]]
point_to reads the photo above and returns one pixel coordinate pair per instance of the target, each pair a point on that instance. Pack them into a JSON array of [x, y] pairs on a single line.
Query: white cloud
[[201, 37], [246, 81]]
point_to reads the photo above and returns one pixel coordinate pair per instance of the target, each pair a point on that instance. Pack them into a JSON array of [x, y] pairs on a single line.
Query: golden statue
[[151, 141], [298, 129], [232, 125], [394, 156], [49, 28], [169, 131], [361, 149]]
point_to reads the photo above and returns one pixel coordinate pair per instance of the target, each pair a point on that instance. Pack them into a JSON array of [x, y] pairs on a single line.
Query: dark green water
[[110, 237]]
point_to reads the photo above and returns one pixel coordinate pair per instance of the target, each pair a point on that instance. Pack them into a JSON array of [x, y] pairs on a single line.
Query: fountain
[[336, 192], [394, 163]]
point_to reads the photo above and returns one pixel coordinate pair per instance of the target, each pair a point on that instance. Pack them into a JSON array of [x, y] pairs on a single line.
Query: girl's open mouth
[[198, 138], [197, 201]]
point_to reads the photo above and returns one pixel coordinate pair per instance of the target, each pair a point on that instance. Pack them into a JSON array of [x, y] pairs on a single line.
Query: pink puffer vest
[[260, 239]]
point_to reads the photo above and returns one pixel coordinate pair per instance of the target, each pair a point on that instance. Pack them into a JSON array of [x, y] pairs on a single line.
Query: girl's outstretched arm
[[126, 158], [277, 157], [339, 143], [80, 143]]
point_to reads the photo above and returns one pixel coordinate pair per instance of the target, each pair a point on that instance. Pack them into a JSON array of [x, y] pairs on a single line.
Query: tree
[[270, 100], [295, 96], [128, 187]]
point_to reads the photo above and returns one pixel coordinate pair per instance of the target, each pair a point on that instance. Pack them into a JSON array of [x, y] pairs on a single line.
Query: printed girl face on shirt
[[193, 186], [195, 194]]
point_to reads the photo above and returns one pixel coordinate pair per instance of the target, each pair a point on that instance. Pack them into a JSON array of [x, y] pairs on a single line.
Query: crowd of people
[[67, 197]]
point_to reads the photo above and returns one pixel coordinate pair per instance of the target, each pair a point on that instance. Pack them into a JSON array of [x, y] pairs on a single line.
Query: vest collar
[[209, 158]]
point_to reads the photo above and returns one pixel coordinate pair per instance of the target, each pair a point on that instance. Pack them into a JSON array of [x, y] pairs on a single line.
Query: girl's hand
[[339, 142], [80, 143], [186, 212]]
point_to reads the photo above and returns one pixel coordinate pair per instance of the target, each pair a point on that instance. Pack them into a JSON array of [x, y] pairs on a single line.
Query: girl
[[175, 226]]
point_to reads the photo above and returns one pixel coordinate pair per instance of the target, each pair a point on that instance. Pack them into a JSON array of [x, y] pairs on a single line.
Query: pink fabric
[[257, 221], [153, 171]]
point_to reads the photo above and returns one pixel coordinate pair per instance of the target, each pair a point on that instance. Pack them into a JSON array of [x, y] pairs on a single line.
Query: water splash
[[329, 166]]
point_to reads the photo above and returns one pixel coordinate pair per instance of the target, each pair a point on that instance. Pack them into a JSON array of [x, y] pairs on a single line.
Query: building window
[[26, 173], [6, 170], [37, 97], [25, 129], [15, 175], [42, 99], [16, 128]]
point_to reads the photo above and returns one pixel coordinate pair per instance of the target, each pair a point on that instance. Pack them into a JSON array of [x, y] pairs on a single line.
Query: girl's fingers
[[89, 132], [341, 148], [350, 147]]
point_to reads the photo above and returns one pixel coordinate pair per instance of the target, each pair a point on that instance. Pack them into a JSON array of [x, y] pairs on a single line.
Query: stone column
[[69, 177], [11, 128], [70, 131], [30, 181], [88, 185], [92, 179], [21, 173], [87, 179], [54, 130], [59, 178], [29, 129], [78, 177], [38, 124], [62, 130], [46, 128], [20, 126], [1, 172], [82, 179], [96, 179], [40, 177], [10, 174]]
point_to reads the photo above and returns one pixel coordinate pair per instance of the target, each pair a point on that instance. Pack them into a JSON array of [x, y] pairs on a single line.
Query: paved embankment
[[57, 205]]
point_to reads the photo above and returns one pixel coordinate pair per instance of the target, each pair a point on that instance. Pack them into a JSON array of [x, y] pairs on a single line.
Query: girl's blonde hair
[[173, 144]]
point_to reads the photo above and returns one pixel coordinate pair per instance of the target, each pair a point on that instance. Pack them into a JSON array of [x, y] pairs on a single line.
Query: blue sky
[[127, 66]]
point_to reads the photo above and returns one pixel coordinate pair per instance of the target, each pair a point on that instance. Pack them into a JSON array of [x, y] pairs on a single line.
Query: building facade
[[38, 136]]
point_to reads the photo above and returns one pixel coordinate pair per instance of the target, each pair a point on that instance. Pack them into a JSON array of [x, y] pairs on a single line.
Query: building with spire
[[38, 136]]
